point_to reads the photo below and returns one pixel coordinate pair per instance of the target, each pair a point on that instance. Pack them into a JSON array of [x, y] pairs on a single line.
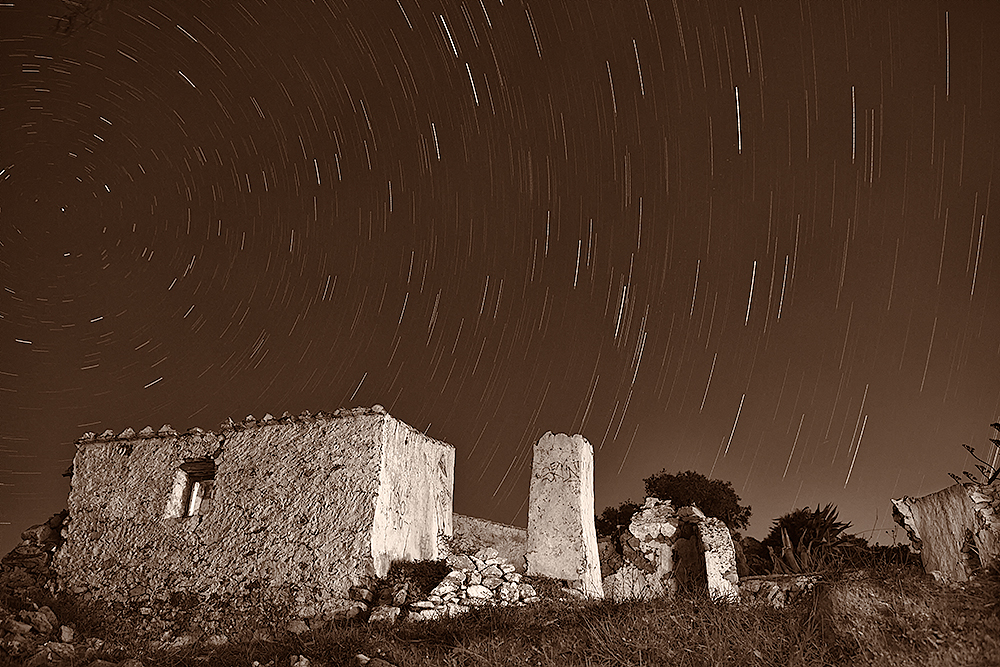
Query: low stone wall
[[510, 542], [475, 580], [776, 590]]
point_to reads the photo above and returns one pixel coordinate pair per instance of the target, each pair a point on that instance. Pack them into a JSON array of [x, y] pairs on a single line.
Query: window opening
[[193, 487]]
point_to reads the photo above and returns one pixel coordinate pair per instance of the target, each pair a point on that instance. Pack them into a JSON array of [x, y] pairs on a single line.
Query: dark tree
[[613, 517], [714, 497]]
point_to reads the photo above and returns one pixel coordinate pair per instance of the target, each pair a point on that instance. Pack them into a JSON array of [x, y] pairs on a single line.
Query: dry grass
[[881, 615], [878, 616]]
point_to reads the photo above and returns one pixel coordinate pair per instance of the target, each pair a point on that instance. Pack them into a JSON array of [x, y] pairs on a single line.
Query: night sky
[[752, 240]]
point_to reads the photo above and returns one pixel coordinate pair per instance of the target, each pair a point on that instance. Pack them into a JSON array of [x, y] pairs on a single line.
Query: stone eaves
[[248, 423]]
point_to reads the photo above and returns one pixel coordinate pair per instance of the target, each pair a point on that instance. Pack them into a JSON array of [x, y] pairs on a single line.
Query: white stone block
[[562, 540], [720, 560]]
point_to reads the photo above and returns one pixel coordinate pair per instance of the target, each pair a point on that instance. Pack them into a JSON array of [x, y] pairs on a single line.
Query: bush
[[613, 517]]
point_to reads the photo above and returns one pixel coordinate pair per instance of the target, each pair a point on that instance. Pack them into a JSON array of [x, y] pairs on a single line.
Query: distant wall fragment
[[510, 542]]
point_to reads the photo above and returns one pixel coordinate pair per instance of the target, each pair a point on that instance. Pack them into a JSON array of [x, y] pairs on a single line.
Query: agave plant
[[989, 471], [807, 539]]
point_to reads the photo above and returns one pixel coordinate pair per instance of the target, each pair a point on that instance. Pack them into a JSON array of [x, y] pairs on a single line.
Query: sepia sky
[[753, 240]]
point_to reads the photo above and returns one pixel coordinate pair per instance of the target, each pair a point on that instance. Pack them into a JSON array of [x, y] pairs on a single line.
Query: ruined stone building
[[289, 511]]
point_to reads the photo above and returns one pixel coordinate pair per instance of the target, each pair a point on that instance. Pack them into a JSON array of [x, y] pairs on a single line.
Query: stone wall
[[414, 506], [291, 511], [474, 534], [664, 549], [955, 529], [986, 505]]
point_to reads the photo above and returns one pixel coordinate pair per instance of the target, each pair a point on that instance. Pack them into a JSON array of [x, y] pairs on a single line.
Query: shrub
[[613, 517], [714, 497]]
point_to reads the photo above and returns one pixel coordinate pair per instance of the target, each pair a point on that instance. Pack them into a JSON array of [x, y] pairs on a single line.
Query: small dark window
[[193, 489]]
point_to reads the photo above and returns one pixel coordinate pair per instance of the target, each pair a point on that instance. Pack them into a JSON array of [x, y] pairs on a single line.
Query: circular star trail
[[753, 240]]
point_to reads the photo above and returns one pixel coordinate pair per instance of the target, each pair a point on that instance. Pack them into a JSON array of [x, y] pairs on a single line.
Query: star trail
[[752, 239]]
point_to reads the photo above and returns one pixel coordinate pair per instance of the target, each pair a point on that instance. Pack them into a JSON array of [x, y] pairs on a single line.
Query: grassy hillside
[[887, 614]]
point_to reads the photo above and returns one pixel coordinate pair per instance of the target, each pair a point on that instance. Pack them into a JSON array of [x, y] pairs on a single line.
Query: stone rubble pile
[[35, 635], [777, 590], [474, 581], [29, 563]]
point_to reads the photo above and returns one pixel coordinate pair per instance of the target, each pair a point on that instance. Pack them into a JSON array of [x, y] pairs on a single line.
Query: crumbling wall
[[664, 549], [986, 505], [510, 542], [939, 526], [289, 518]]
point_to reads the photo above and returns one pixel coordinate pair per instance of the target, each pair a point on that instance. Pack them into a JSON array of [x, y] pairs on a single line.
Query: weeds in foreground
[[886, 615]]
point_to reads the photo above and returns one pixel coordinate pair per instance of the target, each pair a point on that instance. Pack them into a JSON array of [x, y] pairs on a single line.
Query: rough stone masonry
[[663, 547], [562, 539], [289, 511], [956, 530]]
